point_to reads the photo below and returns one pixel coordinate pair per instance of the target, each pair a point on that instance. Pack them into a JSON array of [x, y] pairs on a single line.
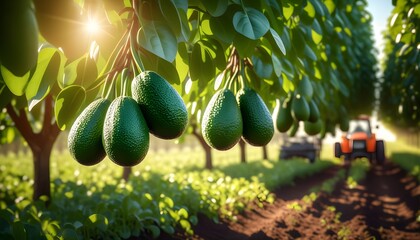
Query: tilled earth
[[382, 206]]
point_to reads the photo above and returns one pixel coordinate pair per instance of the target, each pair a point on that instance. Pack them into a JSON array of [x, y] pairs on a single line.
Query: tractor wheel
[[337, 150], [380, 152]]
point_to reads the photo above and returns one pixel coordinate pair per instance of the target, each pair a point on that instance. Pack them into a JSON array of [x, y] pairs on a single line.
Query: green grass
[[407, 157], [165, 193]]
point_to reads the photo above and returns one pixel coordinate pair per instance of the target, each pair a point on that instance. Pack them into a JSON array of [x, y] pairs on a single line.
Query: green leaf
[[69, 234], [244, 45], [223, 32], [310, 9], [155, 231], [193, 220], [318, 7], [330, 6], [202, 66], [183, 213], [171, 15], [86, 71], [157, 38], [17, 85], [216, 8], [168, 71], [262, 63], [45, 76], [67, 105], [19, 231], [288, 10], [310, 53], [168, 229], [251, 23], [97, 221], [278, 41], [185, 224], [5, 95]]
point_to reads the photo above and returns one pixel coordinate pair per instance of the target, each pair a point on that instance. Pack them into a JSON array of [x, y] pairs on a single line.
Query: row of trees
[[400, 95], [198, 47]]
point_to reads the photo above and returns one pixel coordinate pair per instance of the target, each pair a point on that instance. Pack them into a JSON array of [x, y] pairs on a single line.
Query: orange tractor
[[360, 142]]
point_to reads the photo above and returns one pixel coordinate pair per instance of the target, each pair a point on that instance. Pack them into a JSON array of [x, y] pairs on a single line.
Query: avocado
[[85, 136], [222, 121], [162, 106], [258, 128], [125, 133]]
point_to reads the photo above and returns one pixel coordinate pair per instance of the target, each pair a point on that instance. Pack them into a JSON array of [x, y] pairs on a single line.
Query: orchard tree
[[303, 57], [400, 95]]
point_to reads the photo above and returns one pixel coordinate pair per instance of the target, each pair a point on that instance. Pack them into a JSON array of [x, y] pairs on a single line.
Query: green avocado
[[125, 134], [300, 108], [282, 115], [162, 107], [85, 136], [258, 126], [222, 121]]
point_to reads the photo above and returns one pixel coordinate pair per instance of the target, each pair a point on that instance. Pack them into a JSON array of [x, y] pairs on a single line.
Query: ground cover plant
[[161, 195]]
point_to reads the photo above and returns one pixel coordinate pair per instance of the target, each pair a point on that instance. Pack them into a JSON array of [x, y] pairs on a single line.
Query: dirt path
[[384, 206]]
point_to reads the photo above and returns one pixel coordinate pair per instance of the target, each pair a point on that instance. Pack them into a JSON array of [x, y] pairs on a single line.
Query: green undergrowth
[[407, 157], [165, 193]]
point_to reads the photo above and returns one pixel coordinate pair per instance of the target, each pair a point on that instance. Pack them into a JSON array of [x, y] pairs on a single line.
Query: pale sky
[[380, 10]]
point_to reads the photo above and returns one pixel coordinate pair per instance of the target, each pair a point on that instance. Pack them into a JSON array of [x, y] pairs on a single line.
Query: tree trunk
[[41, 160], [242, 150], [265, 153], [40, 143], [209, 161], [207, 149], [126, 173]]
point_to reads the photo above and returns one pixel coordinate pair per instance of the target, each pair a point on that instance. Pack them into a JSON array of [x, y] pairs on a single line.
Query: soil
[[384, 205]]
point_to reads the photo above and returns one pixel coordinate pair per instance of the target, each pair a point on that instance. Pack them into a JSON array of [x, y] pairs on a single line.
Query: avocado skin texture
[[300, 108], [222, 121], [85, 136], [258, 128], [313, 112], [125, 134], [313, 128], [282, 116], [162, 107], [19, 36]]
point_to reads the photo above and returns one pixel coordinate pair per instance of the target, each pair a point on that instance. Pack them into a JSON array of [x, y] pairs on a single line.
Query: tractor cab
[[360, 142]]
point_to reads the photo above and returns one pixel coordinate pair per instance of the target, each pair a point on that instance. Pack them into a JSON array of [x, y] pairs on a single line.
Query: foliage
[[279, 44], [409, 161], [162, 195], [400, 98]]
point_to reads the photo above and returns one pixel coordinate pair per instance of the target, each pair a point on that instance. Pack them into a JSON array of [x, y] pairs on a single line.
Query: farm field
[[209, 119], [173, 195]]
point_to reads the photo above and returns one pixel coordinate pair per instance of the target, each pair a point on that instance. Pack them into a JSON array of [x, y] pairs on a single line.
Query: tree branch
[[21, 123]]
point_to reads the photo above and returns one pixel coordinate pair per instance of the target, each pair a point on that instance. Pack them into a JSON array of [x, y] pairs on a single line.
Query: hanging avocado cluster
[[120, 129]]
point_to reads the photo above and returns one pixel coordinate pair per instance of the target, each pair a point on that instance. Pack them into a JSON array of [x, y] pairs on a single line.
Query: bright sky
[[380, 10]]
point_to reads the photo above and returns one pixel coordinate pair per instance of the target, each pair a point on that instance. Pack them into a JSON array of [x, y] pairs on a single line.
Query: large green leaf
[[251, 23], [168, 71], [86, 72], [171, 15], [262, 61], [5, 94], [202, 66], [224, 32], [45, 76], [216, 8], [17, 85], [278, 41], [67, 105], [157, 38]]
